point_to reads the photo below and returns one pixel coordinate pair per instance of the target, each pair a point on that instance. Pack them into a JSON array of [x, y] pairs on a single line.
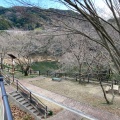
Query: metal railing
[[6, 78], [7, 110], [32, 98]]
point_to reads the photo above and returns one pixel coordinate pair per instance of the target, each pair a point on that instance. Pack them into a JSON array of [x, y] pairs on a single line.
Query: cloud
[[103, 9]]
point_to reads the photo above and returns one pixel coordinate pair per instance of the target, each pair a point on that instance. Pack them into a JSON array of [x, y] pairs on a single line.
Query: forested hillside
[[29, 18], [31, 32]]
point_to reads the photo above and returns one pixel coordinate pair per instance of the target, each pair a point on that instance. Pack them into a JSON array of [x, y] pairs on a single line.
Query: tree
[[27, 49], [6, 44], [77, 53], [23, 46]]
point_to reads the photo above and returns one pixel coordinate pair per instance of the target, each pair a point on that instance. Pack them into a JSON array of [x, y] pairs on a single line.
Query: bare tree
[[6, 44], [30, 46]]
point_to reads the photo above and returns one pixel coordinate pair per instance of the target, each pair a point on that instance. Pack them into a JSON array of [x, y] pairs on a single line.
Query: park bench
[[56, 79], [107, 89], [116, 88]]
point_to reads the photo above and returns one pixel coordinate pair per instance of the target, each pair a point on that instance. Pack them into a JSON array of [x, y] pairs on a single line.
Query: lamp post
[[13, 63], [13, 69]]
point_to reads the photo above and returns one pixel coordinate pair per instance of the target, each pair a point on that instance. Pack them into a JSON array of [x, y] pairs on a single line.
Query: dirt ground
[[18, 114], [87, 93]]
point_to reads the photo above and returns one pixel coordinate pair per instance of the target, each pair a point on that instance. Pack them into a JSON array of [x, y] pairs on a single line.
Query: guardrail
[[7, 110], [32, 98]]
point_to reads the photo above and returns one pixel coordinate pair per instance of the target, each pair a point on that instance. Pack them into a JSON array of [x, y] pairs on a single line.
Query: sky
[[47, 3], [101, 6], [102, 9], [3, 3], [42, 3]]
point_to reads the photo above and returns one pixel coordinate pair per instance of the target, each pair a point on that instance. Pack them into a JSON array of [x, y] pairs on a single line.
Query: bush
[[50, 113], [4, 24]]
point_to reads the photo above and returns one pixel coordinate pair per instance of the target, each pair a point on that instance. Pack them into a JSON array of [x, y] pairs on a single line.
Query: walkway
[[70, 104]]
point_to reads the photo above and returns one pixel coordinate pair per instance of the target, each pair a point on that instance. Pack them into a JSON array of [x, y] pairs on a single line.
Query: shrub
[[50, 113]]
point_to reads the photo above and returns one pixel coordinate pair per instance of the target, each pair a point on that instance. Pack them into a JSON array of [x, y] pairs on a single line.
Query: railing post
[[47, 72], [55, 74], [17, 84], [30, 71], [88, 77], [8, 80], [45, 112], [39, 72], [22, 71], [65, 75], [7, 110], [30, 97], [8, 69], [76, 77]]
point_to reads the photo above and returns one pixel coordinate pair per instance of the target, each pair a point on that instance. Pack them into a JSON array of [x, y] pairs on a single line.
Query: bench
[[56, 79], [107, 89], [119, 91], [116, 89]]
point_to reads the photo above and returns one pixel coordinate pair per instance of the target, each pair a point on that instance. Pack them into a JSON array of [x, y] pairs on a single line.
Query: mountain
[[29, 18]]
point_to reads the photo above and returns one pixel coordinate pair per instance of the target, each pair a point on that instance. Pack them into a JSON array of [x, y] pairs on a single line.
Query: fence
[[32, 98], [28, 95], [87, 77]]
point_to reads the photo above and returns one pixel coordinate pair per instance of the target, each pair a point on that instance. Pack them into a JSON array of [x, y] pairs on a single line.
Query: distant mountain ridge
[[29, 18]]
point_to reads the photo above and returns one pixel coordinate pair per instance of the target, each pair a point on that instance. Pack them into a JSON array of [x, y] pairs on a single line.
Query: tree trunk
[[113, 96], [104, 93], [26, 70], [25, 73], [80, 68]]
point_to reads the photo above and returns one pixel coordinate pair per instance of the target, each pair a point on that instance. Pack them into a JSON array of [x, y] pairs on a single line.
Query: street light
[[13, 63]]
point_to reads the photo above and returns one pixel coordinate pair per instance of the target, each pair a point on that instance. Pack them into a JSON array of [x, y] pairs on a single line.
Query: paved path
[[66, 115], [71, 105]]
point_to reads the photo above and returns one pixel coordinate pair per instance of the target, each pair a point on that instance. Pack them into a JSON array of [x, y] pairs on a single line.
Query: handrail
[[31, 96], [7, 78], [30, 91], [7, 110]]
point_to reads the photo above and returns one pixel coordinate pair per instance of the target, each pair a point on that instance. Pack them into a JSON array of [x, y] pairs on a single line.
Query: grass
[[45, 65], [89, 93], [42, 66], [19, 75]]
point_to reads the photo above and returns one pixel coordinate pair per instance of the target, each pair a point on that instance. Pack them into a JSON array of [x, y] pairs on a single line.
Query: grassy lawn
[[19, 75], [88, 93]]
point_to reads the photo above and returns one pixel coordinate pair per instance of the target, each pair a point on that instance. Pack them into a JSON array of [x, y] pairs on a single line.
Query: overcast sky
[[101, 6]]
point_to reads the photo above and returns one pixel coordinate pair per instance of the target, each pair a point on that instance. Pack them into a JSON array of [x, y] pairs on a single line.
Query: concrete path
[[66, 115]]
